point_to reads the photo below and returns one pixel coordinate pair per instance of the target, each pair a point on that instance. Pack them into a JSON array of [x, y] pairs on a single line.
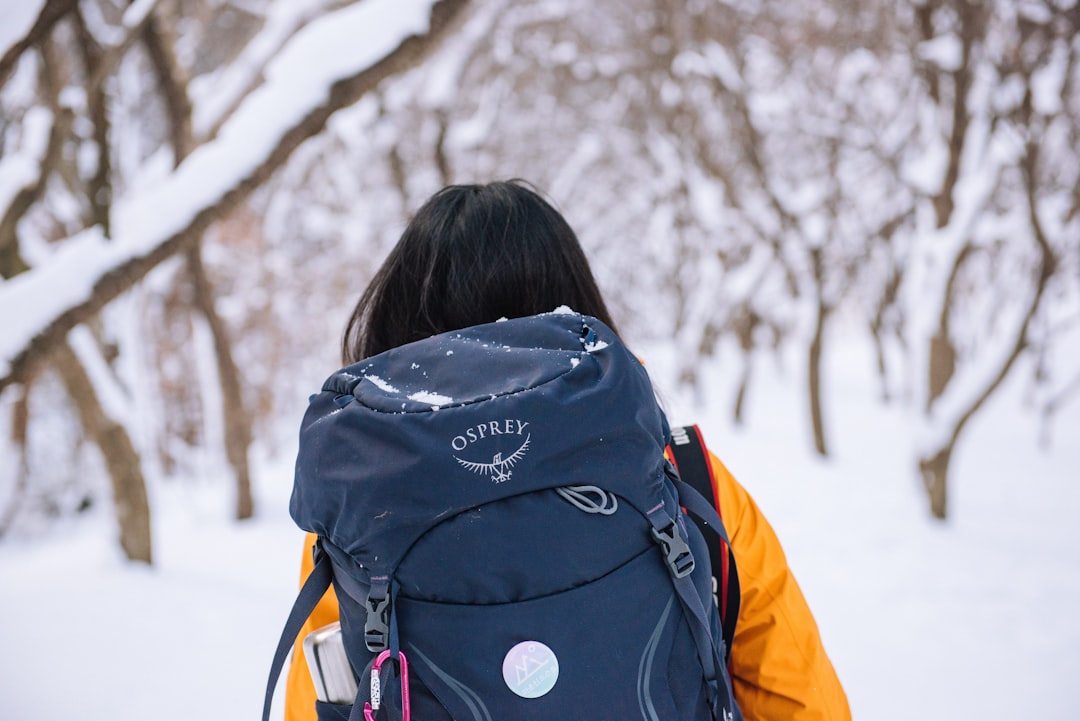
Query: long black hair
[[473, 254]]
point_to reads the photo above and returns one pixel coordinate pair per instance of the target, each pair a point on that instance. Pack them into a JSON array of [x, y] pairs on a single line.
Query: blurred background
[[861, 215]]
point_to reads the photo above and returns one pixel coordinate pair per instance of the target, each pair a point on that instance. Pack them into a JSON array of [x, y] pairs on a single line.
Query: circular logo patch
[[530, 669]]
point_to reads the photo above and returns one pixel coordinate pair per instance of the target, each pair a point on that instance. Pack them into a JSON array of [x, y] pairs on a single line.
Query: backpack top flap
[[402, 440]]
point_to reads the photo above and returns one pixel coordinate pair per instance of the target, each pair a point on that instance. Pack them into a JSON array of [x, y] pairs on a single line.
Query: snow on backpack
[[505, 536]]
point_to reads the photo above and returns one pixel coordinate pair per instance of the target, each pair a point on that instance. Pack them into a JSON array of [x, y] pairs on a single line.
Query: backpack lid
[[402, 440]]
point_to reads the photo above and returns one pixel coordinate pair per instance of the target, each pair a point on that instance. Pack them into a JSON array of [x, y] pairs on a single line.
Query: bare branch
[[121, 278], [51, 14], [99, 189], [944, 202], [109, 57], [11, 262], [237, 429], [247, 72], [173, 87], [1047, 267], [1072, 388]]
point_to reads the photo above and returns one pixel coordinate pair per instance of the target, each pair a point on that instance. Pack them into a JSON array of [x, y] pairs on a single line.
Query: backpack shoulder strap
[[312, 591], [692, 462]]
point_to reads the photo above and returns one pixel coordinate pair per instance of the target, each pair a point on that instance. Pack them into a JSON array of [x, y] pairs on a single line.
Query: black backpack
[[505, 536]]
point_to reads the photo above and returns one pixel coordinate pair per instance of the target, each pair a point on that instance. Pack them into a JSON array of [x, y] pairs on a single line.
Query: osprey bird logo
[[499, 468]]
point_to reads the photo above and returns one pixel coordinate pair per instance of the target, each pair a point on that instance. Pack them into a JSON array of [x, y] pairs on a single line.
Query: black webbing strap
[[310, 594], [692, 463]]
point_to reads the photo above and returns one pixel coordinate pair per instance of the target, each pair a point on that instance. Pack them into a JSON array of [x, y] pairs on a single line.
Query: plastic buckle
[[377, 626], [370, 707], [680, 559]]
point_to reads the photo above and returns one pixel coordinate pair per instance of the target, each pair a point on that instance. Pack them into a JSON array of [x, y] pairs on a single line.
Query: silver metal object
[[330, 669]]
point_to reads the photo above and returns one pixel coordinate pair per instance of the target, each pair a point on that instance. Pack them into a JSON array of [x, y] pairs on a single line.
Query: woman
[[477, 253]]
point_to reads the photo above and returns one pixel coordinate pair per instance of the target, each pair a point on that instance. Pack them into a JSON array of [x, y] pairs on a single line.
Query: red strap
[[694, 465], [724, 556]]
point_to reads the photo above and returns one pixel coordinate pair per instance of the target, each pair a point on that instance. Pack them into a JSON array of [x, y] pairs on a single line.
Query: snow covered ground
[[975, 618]]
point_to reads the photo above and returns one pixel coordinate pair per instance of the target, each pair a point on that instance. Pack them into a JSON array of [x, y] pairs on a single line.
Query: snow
[[443, 79], [716, 62], [114, 401], [936, 612], [336, 45], [21, 170], [435, 399], [1048, 81], [381, 384], [971, 618], [137, 12], [30, 300], [595, 346], [17, 173], [945, 51], [16, 19], [214, 95], [191, 637]]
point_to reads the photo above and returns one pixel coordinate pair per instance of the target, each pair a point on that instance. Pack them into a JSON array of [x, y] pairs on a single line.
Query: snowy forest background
[[194, 192]]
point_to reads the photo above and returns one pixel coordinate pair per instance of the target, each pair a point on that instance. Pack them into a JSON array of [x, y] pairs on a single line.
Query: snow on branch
[[219, 94], [22, 24], [328, 65]]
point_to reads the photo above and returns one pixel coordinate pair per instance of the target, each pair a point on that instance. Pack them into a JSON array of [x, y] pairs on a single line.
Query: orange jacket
[[779, 666]]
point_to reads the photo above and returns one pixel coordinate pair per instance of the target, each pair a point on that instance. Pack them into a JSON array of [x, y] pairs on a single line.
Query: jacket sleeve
[[778, 663], [299, 688]]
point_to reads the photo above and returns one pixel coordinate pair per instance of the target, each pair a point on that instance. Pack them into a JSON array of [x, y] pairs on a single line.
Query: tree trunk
[[813, 356], [20, 422], [740, 396], [935, 476], [886, 302], [882, 366], [236, 420], [118, 452], [941, 366], [99, 188], [817, 419], [744, 325]]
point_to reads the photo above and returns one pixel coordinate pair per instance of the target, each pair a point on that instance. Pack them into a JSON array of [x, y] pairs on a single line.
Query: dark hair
[[473, 254]]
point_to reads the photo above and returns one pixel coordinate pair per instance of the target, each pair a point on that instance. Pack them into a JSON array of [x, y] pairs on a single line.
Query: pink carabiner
[[370, 707]]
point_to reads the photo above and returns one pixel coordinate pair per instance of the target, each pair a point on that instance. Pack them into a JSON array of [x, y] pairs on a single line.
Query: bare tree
[[742, 174], [237, 424], [995, 163], [120, 456], [108, 433], [98, 190]]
